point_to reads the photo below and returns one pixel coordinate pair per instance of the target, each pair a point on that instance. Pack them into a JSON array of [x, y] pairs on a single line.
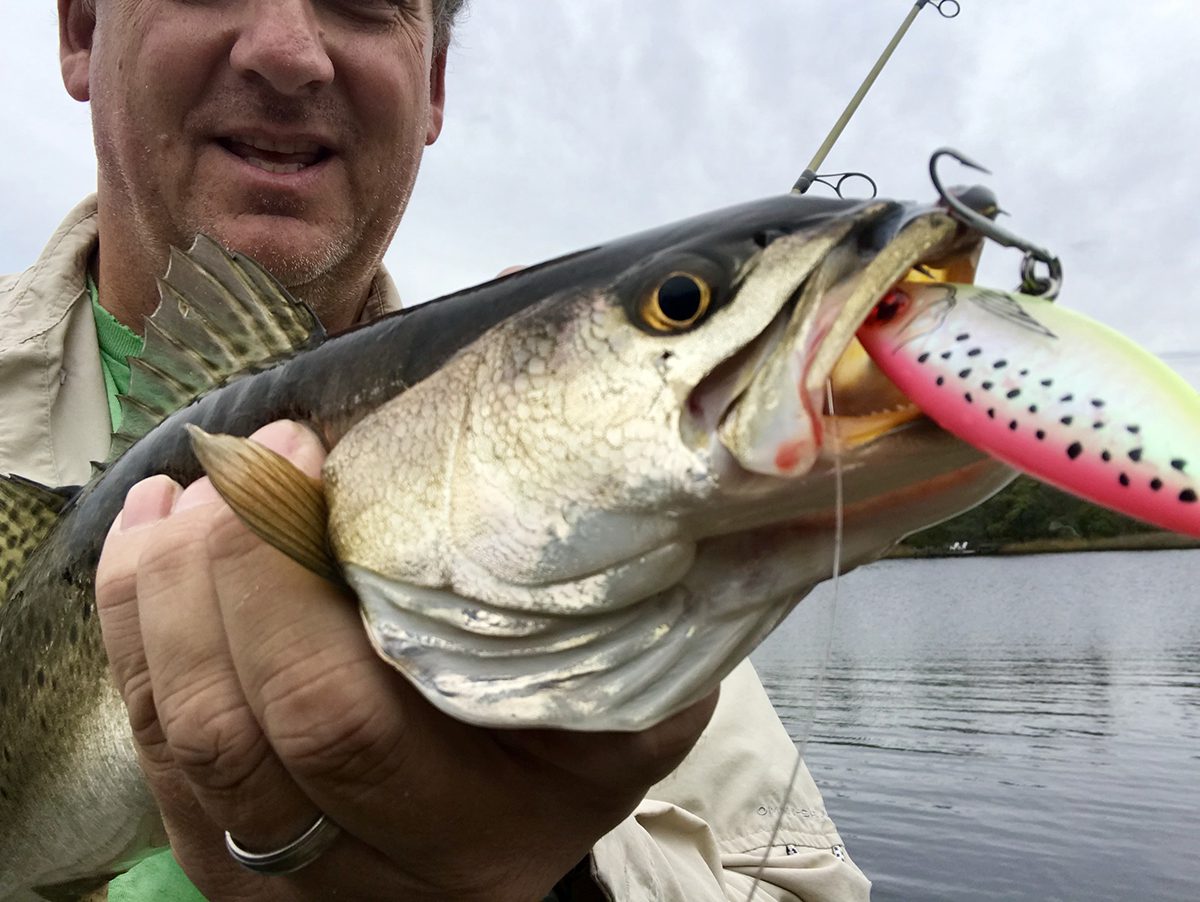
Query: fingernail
[[282, 436], [199, 492], [149, 501]]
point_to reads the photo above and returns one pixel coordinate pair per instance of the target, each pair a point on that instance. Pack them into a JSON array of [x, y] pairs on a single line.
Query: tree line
[[1026, 510]]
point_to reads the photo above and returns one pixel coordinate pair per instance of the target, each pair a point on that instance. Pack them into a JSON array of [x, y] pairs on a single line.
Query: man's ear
[[76, 25], [437, 95]]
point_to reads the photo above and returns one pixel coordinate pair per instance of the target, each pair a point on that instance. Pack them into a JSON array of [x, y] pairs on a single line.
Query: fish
[[1048, 390], [573, 497]]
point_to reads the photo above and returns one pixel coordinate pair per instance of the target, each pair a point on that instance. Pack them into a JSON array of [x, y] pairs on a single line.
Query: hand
[[256, 702]]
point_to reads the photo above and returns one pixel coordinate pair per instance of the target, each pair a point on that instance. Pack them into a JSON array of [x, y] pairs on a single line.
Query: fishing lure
[[1048, 391]]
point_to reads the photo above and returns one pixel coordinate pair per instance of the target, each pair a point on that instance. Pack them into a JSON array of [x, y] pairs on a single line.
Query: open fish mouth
[[805, 387]]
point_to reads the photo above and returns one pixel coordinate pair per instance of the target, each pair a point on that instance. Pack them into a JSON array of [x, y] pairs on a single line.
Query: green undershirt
[[159, 877], [117, 343]]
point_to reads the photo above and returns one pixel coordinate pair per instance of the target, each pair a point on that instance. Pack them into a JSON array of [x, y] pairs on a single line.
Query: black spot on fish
[[1000, 364], [1187, 496], [1135, 455], [1023, 373], [1067, 420], [1179, 464], [1065, 398], [987, 386], [963, 374], [1099, 424], [1156, 484], [923, 357], [1012, 424], [1096, 402], [963, 337], [1133, 430], [1124, 480], [946, 355], [1033, 408], [941, 380], [974, 352], [1105, 456], [1047, 382], [967, 397], [1014, 393], [1040, 435], [1075, 450], [992, 413]]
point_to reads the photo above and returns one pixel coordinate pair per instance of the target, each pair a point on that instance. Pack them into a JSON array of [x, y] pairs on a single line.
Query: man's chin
[[294, 251]]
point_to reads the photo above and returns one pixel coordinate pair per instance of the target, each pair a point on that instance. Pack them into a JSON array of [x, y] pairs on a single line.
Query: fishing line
[[839, 518]]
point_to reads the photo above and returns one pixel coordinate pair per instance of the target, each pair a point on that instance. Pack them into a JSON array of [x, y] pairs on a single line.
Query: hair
[[445, 13]]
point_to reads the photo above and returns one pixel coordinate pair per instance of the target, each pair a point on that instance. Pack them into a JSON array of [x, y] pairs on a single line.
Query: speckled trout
[[575, 497]]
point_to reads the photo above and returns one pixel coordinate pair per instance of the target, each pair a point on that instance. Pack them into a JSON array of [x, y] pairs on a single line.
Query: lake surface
[[1006, 728]]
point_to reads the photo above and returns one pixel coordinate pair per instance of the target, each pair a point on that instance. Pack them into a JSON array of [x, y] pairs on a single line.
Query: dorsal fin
[[220, 314], [28, 511]]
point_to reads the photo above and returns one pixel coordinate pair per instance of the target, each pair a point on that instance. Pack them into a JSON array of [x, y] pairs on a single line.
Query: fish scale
[[1050, 392]]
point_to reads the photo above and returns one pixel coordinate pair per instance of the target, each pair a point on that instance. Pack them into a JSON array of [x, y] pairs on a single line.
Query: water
[[1007, 728]]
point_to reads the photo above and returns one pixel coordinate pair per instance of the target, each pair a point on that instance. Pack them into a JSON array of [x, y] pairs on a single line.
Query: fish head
[[593, 511]]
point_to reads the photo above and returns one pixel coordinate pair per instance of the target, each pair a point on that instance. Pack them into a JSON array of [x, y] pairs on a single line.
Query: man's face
[[290, 130]]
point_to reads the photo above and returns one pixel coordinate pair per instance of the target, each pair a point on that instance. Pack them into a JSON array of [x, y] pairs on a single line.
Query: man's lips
[[276, 155]]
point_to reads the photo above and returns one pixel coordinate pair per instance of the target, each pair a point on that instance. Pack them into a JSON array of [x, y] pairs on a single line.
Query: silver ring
[[299, 853]]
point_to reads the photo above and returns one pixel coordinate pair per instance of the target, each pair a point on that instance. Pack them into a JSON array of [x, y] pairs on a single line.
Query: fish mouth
[[805, 389]]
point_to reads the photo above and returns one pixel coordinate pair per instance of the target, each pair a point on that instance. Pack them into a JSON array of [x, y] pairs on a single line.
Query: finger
[[146, 504], [324, 699], [210, 728]]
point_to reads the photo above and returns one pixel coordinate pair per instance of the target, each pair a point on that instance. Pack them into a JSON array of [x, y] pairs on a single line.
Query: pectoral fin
[[283, 506]]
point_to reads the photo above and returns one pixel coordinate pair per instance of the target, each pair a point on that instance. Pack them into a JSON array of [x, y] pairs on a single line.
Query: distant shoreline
[[1144, 541]]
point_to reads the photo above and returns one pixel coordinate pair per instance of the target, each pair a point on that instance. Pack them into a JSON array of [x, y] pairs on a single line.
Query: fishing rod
[[948, 9], [1047, 285]]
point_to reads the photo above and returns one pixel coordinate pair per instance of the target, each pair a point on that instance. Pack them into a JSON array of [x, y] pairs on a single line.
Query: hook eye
[[1048, 286]]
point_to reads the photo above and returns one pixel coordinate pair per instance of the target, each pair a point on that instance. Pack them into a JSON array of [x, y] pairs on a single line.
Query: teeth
[[274, 167], [278, 146]]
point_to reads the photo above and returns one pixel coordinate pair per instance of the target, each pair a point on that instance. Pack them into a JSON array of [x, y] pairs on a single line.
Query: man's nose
[[281, 42]]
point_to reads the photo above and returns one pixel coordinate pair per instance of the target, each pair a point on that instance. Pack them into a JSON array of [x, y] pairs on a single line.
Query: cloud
[[569, 124]]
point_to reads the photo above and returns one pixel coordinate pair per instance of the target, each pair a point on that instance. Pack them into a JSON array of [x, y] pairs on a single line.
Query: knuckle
[[212, 735], [321, 726], [143, 717]]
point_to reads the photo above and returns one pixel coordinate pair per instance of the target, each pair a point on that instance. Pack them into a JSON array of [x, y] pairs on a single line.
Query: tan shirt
[[701, 834]]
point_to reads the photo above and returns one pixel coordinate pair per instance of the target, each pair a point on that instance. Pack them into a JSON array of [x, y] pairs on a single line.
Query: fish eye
[[677, 302]]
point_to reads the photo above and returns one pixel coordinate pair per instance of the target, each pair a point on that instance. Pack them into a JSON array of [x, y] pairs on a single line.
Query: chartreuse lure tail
[[1049, 392]]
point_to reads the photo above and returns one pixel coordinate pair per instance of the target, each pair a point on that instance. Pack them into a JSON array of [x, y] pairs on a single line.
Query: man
[[292, 130]]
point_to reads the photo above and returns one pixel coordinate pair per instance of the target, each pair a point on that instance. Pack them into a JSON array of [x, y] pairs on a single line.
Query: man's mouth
[[278, 156]]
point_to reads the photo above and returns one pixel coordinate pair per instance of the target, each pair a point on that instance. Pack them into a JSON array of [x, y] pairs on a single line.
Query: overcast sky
[[573, 122]]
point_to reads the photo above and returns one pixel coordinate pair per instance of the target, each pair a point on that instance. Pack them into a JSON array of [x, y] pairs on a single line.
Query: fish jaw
[[553, 531], [777, 427], [1049, 391]]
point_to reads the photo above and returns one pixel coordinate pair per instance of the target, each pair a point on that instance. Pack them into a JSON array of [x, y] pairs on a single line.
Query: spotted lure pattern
[[1048, 391]]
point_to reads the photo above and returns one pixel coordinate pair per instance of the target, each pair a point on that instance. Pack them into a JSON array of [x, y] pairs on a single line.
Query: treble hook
[[1031, 283]]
